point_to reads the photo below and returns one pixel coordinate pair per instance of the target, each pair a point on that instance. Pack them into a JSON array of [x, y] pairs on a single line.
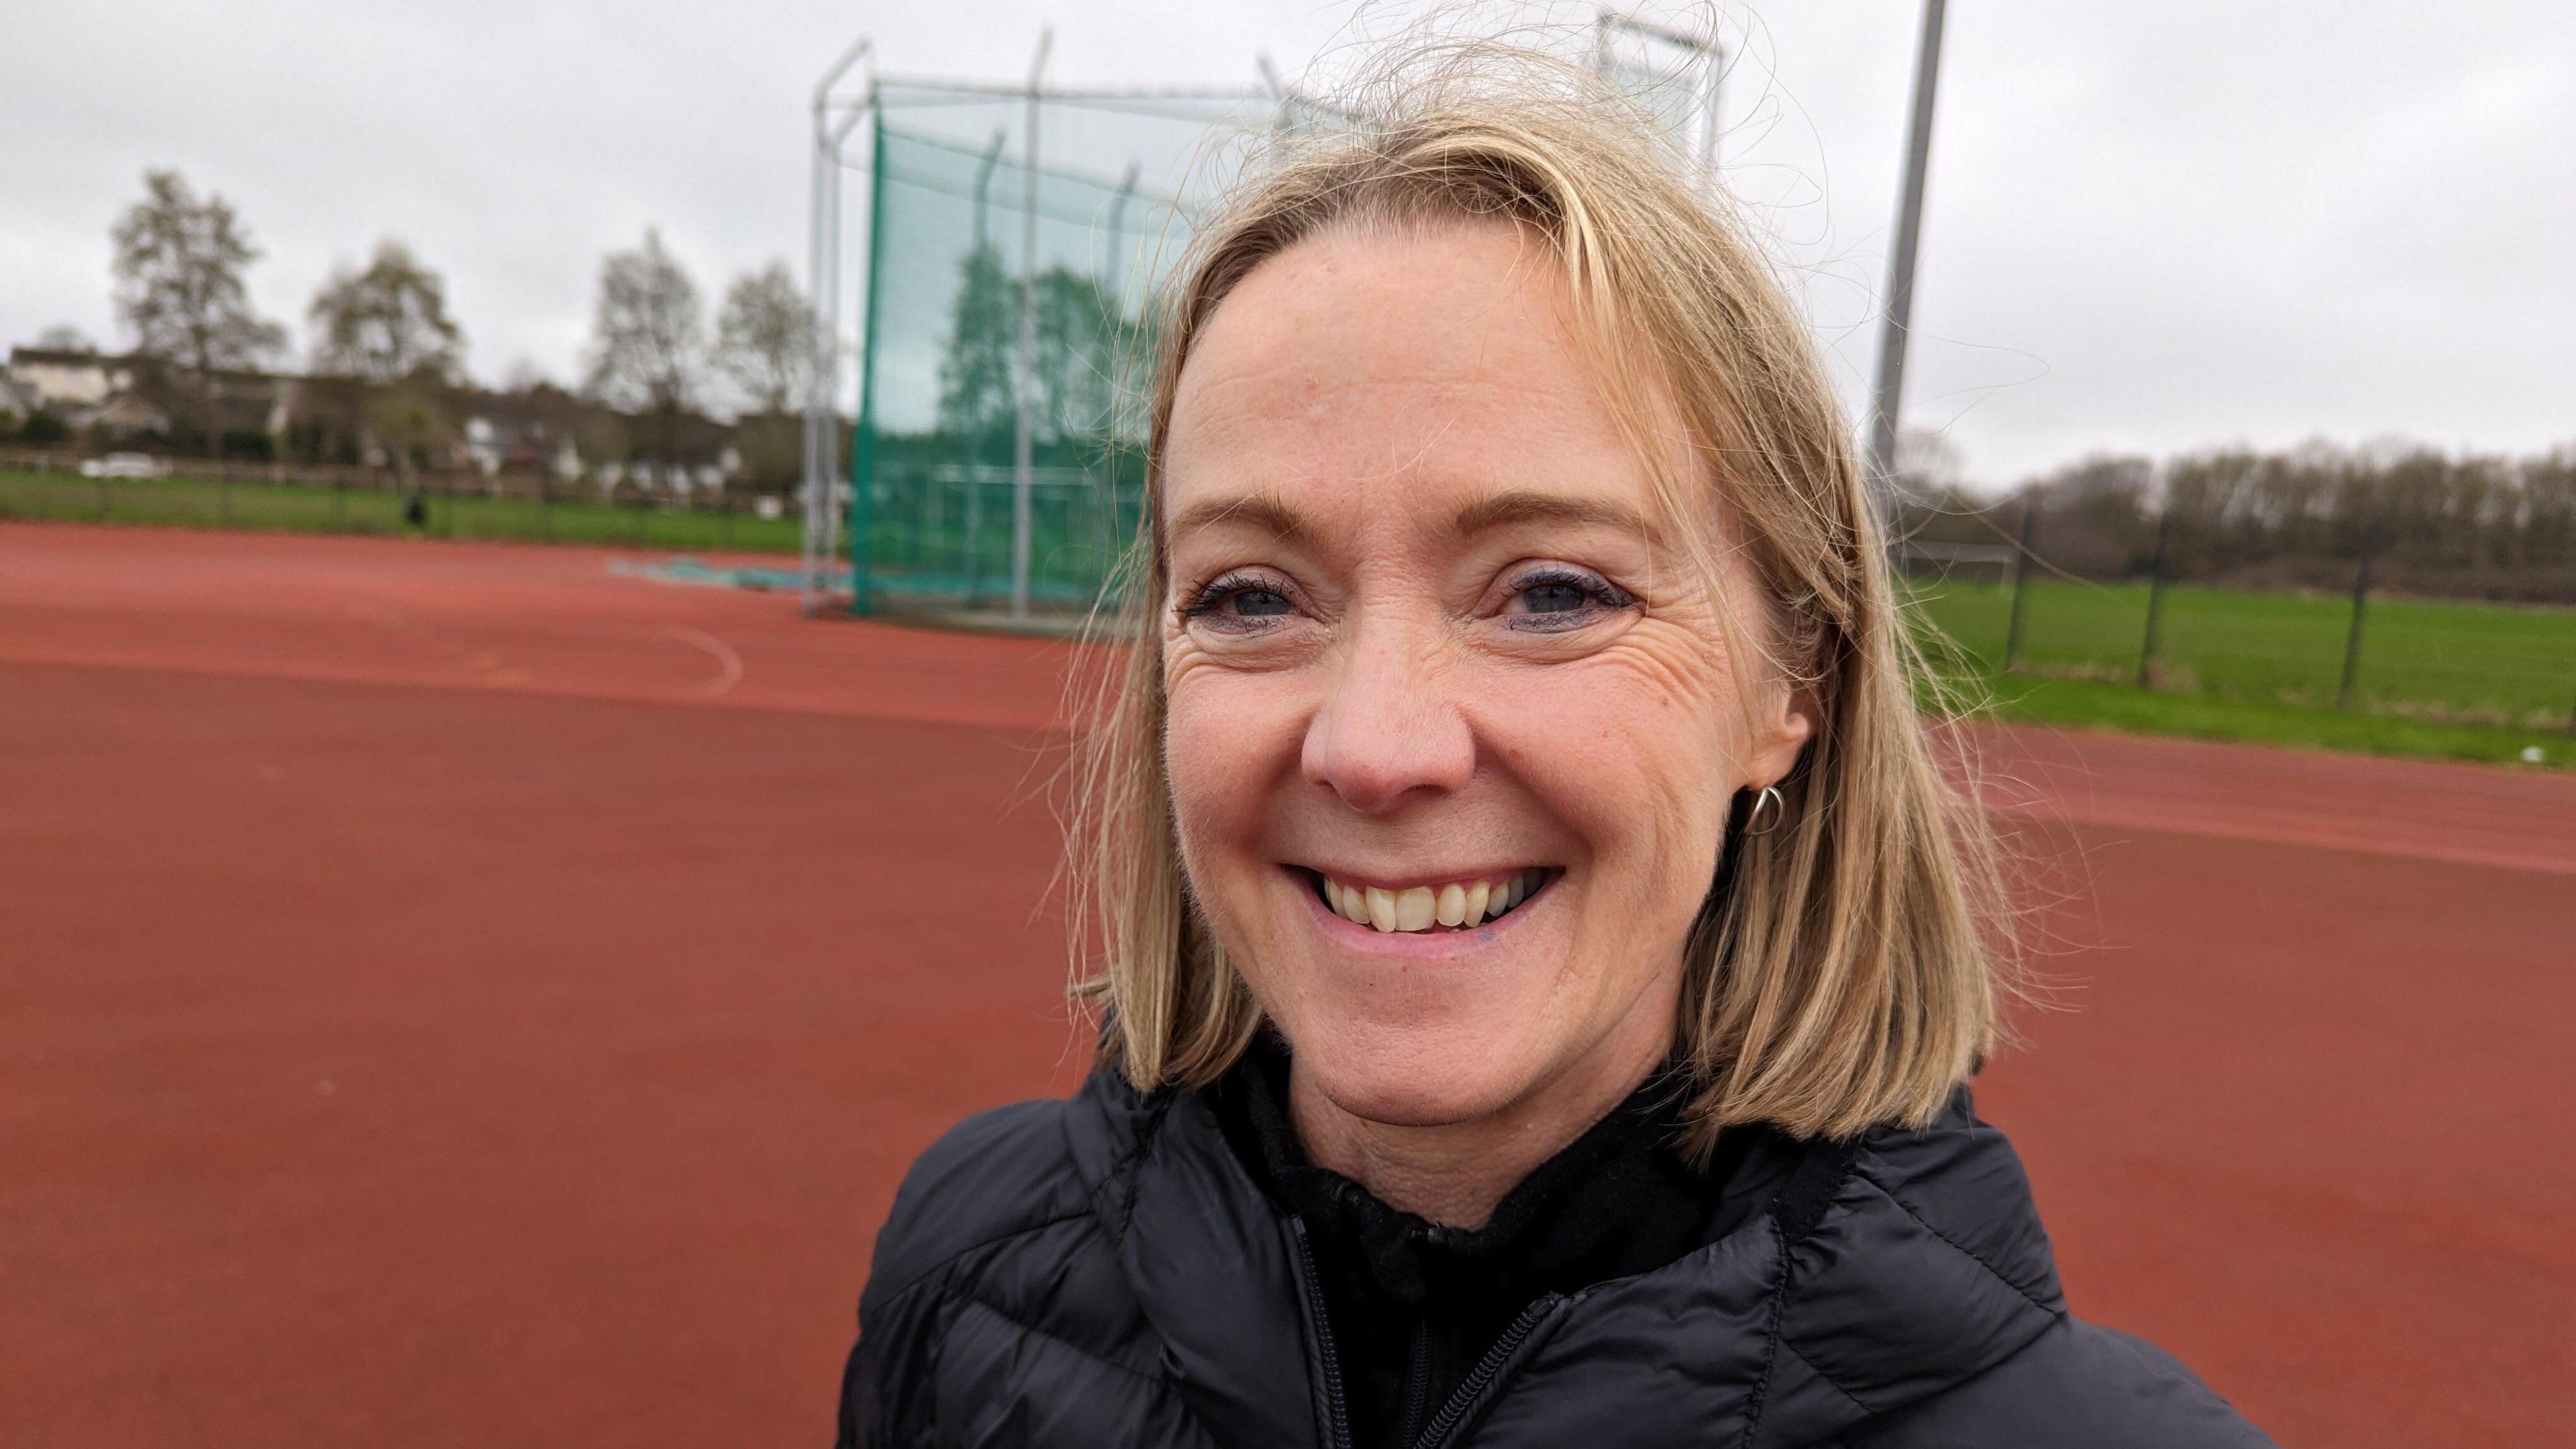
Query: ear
[[1790, 716]]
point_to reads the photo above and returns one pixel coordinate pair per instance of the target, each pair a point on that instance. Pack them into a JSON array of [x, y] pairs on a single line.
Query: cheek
[[1225, 736], [1639, 745]]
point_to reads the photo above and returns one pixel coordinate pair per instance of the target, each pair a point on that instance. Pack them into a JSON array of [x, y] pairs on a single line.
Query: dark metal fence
[[2010, 613]]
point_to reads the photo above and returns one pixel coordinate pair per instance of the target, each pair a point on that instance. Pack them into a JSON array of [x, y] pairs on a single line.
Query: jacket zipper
[[1417, 1380], [1471, 1389], [1337, 1412]]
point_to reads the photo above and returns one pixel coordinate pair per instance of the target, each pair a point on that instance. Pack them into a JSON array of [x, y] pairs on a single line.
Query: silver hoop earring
[[1754, 823]]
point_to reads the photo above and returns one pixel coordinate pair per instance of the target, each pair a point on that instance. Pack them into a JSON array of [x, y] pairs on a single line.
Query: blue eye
[[1261, 601], [1239, 601], [1562, 598]]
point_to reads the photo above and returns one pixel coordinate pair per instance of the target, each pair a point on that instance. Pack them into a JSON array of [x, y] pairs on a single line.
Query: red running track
[[458, 995]]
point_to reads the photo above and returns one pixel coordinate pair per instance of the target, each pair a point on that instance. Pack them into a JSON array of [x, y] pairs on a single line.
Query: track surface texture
[[460, 995]]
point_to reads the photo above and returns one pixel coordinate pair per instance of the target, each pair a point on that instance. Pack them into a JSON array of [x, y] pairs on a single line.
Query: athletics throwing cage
[[1015, 238]]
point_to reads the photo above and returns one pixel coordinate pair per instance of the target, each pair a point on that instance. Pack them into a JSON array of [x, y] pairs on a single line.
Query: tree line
[[385, 356], [2473, 526]]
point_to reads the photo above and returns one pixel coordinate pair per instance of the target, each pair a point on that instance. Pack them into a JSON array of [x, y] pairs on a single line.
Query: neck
[[1454, 1173]]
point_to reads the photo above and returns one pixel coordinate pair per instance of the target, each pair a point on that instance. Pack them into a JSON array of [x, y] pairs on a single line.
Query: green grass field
[[2453, 680], [195, 503]]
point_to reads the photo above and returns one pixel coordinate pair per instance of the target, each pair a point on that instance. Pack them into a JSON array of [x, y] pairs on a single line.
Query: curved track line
[[729, 663]]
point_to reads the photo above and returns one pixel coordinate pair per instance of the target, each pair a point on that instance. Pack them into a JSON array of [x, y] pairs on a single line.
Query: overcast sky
[[2149, 226]]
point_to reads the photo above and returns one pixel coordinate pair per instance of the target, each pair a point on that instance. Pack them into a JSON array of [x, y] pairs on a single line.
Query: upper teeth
[[1419, 908]]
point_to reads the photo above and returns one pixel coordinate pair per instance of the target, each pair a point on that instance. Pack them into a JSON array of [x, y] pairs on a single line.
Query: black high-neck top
[[1413, 1305]]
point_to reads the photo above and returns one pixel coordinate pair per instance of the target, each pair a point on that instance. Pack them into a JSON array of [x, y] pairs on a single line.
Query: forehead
[[1377, 374]]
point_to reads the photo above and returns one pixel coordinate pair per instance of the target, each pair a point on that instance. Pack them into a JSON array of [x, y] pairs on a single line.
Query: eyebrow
[[1500, 510], [1271, 514], [1265, 511]]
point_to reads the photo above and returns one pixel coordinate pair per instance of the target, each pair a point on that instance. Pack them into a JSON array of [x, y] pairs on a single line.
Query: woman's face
[[1452, 727]]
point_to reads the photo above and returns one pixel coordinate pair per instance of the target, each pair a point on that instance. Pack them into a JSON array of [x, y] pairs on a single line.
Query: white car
[[125, 465]]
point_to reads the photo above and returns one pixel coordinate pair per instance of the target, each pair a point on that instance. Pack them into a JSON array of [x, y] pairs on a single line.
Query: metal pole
[[832, 315], [1894, 326], [984, 187], [2155, 601], [1279, 117], [1118, 236], [817, 398], [2020, 581], [817, 395], [974, 552], [818, 392], [863, 432], [1024, 439], [2360, 603], [1708, 117]]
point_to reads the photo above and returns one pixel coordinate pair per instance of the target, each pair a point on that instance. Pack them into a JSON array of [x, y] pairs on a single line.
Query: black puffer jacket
[[1104, 1271]]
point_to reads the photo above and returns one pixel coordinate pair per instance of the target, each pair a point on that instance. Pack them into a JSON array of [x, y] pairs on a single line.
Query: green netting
[[934, 464], [1117, 181]]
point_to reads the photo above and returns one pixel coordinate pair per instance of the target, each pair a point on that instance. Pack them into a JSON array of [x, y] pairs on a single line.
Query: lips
[[1455, 905]]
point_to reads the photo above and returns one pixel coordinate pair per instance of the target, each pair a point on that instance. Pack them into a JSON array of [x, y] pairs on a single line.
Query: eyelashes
[[1572, 598], [1548, 598], [1240, 602]]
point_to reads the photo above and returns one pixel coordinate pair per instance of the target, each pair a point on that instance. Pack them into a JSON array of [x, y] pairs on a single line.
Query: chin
[[1415, 1074]]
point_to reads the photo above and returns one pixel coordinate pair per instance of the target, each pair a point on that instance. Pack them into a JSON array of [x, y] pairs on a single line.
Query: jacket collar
[[1887, 1271]]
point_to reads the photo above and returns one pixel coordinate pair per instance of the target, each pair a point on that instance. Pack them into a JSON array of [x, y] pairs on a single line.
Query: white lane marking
[[731, 663]]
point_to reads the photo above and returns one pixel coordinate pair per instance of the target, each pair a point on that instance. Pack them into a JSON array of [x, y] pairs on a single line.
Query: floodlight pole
[[1024, 439], [822, 276], [1894, 326]]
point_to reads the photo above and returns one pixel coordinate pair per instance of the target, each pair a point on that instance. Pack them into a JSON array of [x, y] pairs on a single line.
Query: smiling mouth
[[1456, 905]]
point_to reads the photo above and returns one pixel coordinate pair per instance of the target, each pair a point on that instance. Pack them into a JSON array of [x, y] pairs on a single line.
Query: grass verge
[[2085, 704], [199, 503]]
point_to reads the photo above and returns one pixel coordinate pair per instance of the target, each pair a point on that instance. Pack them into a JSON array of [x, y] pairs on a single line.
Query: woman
[[1542, 958]]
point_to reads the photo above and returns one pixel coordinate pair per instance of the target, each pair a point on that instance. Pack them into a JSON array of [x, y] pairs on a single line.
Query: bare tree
[[64, 337], [648, 334], [387, 322], [763, 338], [179, 265]]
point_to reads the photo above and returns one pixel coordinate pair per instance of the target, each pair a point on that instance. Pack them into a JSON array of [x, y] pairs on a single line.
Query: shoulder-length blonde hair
[[1841, 979]]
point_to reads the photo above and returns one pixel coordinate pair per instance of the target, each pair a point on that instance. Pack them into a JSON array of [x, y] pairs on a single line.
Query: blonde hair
[[1844, 977]]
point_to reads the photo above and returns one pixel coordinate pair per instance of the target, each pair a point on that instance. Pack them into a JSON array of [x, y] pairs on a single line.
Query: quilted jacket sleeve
[[2078, 1384], [883, 1402], [987, 1185]]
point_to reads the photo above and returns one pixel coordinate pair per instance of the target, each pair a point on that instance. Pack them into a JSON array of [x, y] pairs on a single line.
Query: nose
[[1390, 730]]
